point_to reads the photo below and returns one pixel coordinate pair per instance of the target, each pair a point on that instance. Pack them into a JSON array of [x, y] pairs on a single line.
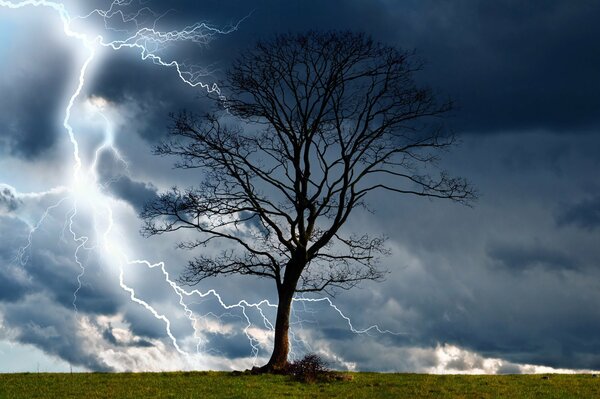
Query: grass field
[[227, 385]]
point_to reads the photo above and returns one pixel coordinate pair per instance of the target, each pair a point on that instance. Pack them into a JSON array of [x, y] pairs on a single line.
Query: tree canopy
[[314, 123]]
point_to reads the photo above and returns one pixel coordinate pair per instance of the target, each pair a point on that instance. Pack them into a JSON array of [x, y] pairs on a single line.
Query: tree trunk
[[281, 347]]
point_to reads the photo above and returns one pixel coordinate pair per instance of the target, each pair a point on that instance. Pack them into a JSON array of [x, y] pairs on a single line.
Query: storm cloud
[[33, 89], [8, 200], [584, 214], [509, 285]]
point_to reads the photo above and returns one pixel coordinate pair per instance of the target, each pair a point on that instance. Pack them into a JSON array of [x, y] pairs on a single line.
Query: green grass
[[227, 385]]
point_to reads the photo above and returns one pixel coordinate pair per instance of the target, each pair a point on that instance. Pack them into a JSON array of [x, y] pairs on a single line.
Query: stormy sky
[[509, 285]]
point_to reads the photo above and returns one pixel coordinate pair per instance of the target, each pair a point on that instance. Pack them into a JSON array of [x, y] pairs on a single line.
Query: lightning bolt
[[85, 187]]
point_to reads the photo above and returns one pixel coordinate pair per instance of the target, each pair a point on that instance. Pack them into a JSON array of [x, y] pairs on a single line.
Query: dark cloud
[[151, 91], [8, 200], [38, 306], [506, 69], [11, 287], [14, 282], [511, 66], [499, 279], [37, 298], [535, 65], [524, 256], [29, 121], [508, 66], [109, 336], [231, 346], [143, 324], [33, 86], [53, 329], [111, 176], [584, 214], [136, 193], [51, 269]]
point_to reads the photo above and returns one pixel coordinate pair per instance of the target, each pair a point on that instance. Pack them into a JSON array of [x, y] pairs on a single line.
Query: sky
[[509, 285]]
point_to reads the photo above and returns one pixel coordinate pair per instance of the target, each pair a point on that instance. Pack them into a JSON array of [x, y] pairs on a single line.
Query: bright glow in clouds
[[454, 360], [90, 223]]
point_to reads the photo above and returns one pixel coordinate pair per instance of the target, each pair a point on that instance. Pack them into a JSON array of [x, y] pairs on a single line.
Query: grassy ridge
[[227, 385]]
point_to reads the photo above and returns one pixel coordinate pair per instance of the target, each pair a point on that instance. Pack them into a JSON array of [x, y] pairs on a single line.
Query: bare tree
[[327, 119]]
